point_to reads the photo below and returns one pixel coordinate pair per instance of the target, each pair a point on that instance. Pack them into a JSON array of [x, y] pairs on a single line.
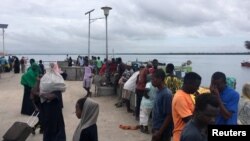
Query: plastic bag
[[52, 81]]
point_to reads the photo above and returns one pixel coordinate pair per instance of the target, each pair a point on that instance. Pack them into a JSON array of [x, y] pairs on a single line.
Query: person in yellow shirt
[[201, 90], [231, 82], [171, 81]]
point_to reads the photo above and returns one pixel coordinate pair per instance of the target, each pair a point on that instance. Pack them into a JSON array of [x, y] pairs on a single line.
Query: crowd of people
[[170, 101], [168, 107], [17, 65]]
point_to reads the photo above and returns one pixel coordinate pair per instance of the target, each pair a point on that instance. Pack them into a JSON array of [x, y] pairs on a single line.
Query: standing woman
[[51, 87], [22, 62], [87, 110], [244, 105], [28, 80], [16, 65]]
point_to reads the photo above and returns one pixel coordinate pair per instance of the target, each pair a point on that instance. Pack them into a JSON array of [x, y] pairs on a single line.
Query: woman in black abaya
[[16, 65]]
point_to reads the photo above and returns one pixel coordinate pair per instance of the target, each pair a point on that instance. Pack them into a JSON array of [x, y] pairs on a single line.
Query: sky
[[134, 26]]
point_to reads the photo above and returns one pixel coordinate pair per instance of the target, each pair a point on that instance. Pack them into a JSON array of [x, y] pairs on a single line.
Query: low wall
[[73, 73], [62, 63], [107, 91]]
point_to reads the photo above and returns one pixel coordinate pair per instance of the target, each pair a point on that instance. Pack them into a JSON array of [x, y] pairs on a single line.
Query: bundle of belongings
[[52, 81]]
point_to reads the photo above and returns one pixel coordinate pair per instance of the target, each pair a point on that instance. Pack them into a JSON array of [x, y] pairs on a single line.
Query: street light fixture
[[3, 26], [90, 20], [106, 13]]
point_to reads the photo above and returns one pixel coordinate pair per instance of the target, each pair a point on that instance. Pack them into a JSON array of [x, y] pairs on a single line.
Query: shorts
[[86, 83]]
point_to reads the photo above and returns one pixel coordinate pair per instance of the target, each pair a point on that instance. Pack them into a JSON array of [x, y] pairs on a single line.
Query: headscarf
[[55, 68], [246, 90], [244, 105], [231, 82], [29, 78], [89, 116]]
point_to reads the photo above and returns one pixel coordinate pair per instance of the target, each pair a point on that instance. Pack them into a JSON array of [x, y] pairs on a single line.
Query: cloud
[[133, 26]]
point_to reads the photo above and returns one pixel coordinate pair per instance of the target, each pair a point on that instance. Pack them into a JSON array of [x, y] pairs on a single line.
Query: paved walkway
[[110, 117]]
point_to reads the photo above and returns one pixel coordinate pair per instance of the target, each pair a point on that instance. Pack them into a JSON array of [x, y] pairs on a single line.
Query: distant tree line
[[247, 44]]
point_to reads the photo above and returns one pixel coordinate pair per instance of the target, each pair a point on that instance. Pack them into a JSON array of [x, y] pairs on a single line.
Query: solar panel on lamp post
[[3, 26]]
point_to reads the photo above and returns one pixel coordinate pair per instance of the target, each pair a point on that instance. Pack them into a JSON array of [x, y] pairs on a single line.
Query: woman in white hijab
[[244, 106], [87, 110]]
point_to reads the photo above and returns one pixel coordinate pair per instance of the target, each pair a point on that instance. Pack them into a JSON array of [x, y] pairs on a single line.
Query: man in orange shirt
[[182, 104]]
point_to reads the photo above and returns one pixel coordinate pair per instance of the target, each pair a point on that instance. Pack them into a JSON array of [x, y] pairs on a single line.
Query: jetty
[[110, 117]]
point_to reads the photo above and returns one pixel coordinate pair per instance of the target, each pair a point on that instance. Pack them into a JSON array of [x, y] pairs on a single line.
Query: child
[[87, 75], [147, 105], [87, 110]]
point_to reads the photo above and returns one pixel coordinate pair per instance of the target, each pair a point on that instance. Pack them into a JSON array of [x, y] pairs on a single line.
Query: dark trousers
[[139, 95], [53, 122], [27, 105], [164, 137]]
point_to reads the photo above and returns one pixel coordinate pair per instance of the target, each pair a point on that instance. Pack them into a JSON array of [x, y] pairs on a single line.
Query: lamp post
[[3, 26], [89, 32], [90, 20], [106, 13]]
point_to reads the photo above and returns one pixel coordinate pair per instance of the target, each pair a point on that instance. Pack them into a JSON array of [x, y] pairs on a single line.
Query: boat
[[245, 64]]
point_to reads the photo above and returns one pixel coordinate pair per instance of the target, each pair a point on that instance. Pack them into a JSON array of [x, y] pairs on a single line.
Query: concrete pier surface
[[110, 117]]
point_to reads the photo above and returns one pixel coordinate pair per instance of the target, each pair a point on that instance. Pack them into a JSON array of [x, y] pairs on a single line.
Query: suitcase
[[20, 131]]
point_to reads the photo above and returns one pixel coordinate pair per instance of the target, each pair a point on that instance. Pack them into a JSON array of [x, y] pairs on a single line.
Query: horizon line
[[156, 53]]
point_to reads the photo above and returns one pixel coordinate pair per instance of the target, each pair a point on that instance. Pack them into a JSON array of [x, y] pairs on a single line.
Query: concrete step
[[105, 91]]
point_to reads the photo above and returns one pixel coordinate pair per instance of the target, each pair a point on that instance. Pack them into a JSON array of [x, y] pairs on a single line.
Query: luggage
[[19, 131]]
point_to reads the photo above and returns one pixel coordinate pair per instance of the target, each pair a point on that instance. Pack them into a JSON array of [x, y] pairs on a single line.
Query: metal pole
[[3, 44], [89, 39], [107, 64], [89, 32], [113, 53], [106, 37]]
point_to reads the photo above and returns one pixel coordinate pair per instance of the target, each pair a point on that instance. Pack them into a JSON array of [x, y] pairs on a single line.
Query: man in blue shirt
[[228, 99], [162, 113]]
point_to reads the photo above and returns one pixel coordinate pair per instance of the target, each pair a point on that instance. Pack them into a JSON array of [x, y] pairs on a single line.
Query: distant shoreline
[[93, 54]]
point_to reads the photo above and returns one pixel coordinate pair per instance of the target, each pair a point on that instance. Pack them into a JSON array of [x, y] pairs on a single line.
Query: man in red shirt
[[141, 84]]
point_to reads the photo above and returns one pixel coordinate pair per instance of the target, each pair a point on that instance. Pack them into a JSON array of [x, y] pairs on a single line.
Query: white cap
[[129, 64]]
